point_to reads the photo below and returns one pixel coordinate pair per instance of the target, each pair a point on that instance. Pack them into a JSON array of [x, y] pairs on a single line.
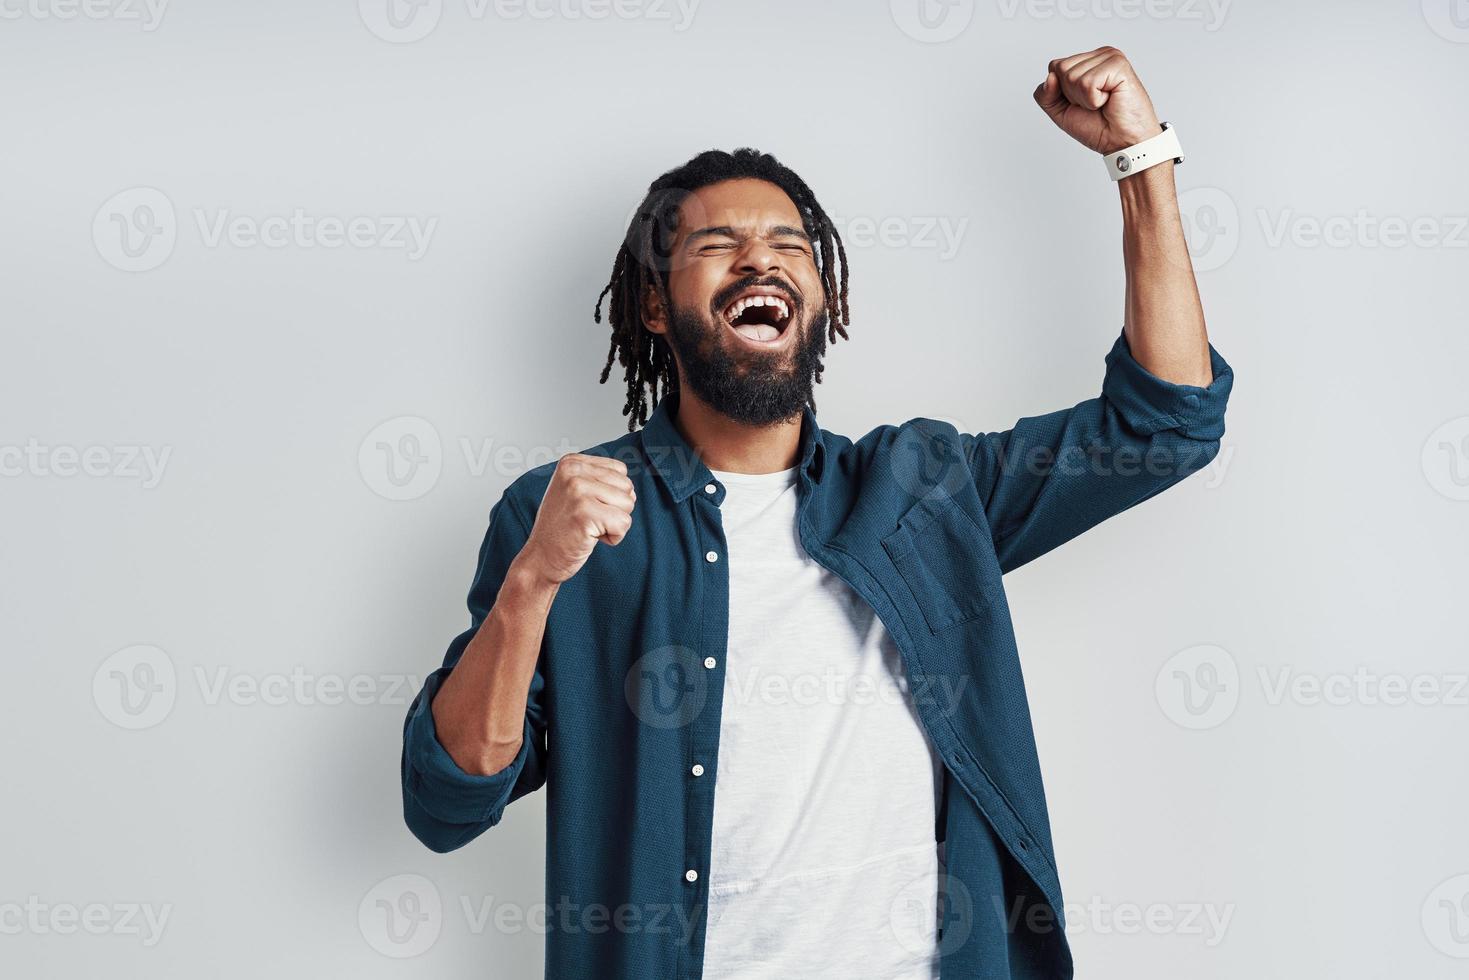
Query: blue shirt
[[921, 521]]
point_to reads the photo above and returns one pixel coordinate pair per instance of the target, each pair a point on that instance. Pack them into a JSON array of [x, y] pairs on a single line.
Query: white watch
[[1150, 152]]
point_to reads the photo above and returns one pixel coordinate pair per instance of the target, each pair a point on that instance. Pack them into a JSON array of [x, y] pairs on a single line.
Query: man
[[766, 674]]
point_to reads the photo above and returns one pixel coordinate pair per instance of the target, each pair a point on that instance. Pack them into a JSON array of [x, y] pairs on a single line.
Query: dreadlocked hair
[[643, 261]]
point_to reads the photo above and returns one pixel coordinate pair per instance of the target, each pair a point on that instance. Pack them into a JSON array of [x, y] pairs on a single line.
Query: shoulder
[[928, 434]]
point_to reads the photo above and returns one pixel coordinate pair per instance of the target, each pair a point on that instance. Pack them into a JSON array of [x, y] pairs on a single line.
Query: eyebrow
[[725, 231]]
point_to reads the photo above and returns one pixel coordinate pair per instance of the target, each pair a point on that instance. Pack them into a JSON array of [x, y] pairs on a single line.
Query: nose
[[758, 258]]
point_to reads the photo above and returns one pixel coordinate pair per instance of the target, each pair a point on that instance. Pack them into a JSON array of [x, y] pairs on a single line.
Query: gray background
[[206, 667]]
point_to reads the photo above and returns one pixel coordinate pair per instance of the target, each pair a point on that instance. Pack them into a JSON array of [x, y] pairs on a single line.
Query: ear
[[654, 316]]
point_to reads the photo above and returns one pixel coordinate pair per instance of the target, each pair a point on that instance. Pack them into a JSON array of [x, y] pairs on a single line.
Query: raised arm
[[1097, 99], [1160, 414]]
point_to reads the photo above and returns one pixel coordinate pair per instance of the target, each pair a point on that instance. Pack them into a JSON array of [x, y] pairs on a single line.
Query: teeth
[[740, 305]]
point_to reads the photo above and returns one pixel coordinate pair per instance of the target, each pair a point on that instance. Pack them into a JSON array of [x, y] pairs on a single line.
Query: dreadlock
[[643, 260]]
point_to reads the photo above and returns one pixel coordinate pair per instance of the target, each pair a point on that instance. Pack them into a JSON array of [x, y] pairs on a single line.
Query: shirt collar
[[680, 468]]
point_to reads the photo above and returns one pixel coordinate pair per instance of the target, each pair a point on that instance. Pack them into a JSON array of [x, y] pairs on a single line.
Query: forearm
[[479, 712], [1164, 320]]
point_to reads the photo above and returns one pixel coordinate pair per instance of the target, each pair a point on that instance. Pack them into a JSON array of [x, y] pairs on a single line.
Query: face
[[748, 323]]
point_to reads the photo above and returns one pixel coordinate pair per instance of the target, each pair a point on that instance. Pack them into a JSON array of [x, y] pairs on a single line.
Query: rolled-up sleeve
[[1051, 477], [444, 806], [1149, 404]]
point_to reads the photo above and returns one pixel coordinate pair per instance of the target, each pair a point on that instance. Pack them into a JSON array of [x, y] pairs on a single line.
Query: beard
[[752, 387]]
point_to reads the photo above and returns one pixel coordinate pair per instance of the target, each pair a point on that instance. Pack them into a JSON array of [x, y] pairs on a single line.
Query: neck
[[727, 445]]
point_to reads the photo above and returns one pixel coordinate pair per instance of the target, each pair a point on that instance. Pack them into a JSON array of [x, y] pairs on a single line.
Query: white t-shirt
[[824, 861]]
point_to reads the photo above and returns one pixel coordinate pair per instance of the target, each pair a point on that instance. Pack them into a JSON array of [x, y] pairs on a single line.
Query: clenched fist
[[1097, 99], [589, 499]]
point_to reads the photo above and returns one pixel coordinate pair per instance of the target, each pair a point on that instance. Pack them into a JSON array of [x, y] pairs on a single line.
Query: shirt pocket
[[947, 561]]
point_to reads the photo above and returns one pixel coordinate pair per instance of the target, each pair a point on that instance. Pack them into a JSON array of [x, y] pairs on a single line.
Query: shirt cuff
[[1149, 404], [438, 784]]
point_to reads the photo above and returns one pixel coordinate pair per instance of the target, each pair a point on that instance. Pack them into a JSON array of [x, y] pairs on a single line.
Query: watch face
[[1123, 163]]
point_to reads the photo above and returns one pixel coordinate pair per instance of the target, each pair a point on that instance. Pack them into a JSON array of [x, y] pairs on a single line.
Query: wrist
[[1149, 190], [525, 581]]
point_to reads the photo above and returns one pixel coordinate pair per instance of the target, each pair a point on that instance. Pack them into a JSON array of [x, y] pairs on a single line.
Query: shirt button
[[698, 770], [709, 488], [709, 662], [711, 556], [691, 875]]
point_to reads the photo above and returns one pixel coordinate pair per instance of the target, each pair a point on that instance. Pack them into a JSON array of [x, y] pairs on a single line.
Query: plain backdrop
[[251, 428]]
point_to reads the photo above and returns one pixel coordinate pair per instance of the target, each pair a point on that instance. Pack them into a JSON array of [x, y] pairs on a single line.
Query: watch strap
[[1140, 156]]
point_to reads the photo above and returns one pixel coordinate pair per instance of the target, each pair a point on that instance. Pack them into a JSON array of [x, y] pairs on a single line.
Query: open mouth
[[759, 315]]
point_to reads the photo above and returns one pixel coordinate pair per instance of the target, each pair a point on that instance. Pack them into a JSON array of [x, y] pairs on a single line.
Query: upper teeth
[[738, 306]]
